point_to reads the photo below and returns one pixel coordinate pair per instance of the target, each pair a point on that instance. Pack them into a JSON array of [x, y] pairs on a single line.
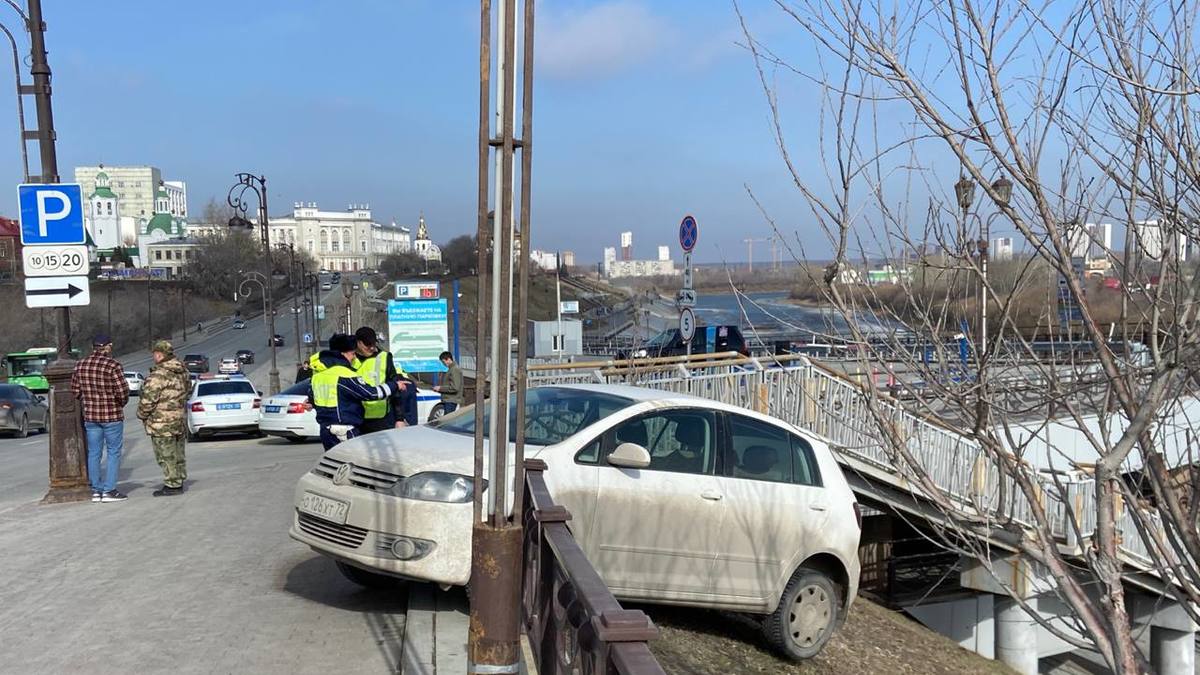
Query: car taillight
[[197, 407], [858, 515], [258, 403], [5, 406], [298, 408]]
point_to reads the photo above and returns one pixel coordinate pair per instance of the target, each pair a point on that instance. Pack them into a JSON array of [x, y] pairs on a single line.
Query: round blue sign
[[689, 233]]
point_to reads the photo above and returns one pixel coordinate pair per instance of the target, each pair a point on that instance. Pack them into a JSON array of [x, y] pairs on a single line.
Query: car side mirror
[[258, 391], [630, 456]]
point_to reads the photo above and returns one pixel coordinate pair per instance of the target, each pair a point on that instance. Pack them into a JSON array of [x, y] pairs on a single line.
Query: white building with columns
[[343, 241]]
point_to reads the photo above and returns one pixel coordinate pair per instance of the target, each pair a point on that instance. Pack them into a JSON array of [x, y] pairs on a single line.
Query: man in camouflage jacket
[[161, 409]]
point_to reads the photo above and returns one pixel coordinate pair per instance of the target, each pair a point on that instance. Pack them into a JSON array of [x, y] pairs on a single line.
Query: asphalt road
[[205, 582]]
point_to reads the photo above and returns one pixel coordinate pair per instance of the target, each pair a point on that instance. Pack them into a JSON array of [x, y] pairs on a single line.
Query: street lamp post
[[236, 199], [291, 249], [313, 281]]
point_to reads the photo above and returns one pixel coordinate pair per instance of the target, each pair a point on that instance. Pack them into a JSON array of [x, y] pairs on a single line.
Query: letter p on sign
[[51, 213]]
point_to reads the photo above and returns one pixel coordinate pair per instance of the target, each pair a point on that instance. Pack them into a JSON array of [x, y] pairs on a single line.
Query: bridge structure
[[983, 593]]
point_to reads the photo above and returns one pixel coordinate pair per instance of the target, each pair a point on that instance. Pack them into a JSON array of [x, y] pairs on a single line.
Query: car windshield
[[299, 389], [33, 366], [131, 375], [552, 414], [222, 388]]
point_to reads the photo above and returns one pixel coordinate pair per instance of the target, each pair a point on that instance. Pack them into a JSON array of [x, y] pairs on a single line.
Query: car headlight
[[437, 486]]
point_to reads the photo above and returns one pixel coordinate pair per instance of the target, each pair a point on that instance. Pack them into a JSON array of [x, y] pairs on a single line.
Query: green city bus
[[27, 367]]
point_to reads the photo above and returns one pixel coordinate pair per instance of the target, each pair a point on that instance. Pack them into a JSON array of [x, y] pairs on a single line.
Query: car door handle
[[818, 507], [712, 495]]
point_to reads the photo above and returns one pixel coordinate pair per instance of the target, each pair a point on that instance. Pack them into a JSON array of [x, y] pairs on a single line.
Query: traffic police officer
[[338, 392], [376, 365]]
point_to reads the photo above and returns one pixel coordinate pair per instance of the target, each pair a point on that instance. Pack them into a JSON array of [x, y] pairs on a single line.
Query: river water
[[771, 312]]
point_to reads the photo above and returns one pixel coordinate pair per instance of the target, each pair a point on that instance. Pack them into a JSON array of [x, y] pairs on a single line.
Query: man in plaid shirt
[[99, 382]]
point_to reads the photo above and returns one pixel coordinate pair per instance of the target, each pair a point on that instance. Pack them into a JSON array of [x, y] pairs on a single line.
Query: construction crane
[[750, 250]]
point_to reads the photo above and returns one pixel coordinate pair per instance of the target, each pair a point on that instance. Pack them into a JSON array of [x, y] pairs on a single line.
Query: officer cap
[[163, 346]]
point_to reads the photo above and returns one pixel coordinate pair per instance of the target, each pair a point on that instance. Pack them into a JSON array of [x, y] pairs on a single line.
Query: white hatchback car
[[223, 404], [229, 366], [134, 381], [675, 499]]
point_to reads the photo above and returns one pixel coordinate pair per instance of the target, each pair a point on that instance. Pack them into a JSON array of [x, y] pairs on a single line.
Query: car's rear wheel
[[368, 579], [806, 616], [23, 430], [438, 411]]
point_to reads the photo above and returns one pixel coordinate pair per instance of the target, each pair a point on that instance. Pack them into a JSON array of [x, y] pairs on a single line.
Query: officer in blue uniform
[[338, 392]]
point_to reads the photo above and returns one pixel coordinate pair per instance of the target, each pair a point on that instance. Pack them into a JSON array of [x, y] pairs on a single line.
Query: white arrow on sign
[[57, 292]]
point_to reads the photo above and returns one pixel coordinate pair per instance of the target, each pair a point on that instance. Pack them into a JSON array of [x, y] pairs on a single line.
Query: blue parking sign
[[51, 213]]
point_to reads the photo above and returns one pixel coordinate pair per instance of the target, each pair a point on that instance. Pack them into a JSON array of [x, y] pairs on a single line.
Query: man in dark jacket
[[338, 392]]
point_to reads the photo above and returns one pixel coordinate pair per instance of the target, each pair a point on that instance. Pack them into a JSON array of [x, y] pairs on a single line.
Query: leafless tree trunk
[[1086, 111]]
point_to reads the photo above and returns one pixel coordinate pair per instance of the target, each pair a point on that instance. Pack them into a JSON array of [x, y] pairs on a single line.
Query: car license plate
[[229, 406], [324, 508], [273, 408]]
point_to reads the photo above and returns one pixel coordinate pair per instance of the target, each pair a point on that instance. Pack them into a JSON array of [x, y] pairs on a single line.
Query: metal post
[[183, 311], [149, 310], [68, 449], [20, 102], [270, 286], [454, 287], [295, 305]]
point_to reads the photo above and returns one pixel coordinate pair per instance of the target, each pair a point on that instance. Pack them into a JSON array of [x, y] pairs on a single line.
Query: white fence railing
[[841, 411]]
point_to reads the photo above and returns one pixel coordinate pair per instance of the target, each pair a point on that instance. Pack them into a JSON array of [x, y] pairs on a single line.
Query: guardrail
[[796, 390], [572, 621]]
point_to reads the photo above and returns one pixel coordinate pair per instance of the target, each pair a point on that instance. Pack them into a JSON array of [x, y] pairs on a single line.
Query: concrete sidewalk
[[207, 582]]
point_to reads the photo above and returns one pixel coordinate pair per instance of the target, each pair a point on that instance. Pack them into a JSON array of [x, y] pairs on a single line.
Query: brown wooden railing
[[573, 622]]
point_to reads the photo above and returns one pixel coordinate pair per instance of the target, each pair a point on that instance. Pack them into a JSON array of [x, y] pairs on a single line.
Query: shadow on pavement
[[318, 580]]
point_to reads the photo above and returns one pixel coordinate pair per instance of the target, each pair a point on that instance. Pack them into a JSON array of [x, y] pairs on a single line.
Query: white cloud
[[599, 40]]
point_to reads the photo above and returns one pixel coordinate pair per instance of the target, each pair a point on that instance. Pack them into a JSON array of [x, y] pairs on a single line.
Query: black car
[[245, 356], [708, 340], [21, 411], [196, 363], [278, 340]]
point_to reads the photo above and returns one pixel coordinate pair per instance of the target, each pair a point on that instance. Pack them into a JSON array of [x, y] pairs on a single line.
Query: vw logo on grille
[[342, 475]]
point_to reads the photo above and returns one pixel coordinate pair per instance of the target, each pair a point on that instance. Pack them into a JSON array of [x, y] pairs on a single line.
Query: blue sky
[[644, 110]]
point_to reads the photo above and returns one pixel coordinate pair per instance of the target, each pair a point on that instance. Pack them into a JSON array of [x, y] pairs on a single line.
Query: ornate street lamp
[[964, 190], [248, 182]]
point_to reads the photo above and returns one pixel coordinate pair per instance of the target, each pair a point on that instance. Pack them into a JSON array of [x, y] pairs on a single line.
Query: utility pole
[[68, 448], [497, 532]]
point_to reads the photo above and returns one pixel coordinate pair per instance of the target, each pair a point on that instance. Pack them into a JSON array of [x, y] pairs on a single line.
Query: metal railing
[[829, 404], [572, 621]]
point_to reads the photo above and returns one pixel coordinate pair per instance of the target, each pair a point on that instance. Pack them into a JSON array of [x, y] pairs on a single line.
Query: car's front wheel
[[806, 616], [367, 579]]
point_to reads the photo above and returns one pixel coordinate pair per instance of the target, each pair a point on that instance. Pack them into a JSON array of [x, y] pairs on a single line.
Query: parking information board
[[52, 230], [52, 261], [417, 334]]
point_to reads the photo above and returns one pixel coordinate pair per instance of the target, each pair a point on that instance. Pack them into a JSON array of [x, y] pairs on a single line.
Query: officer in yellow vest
[[338, 392], [376, 365]]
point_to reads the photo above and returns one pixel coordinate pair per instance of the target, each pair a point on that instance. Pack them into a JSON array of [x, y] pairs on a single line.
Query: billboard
[[417, 334]]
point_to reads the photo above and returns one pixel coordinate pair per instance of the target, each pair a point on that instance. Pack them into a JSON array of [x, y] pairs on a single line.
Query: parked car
[[289, 414], [707, 340], [21, 411], [134, 381], [223, 404], [238, 324], [278, 340], [229, 366], [196, 363], [675, 499], [245, 356]]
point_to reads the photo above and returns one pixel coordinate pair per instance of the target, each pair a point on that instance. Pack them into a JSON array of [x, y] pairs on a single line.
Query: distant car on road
[[326, 286], [676, 500], [238, 324], [278, 340], [229, 366], [223, 405], [245, 356], [21, 411], [134, 381], [196, 363]]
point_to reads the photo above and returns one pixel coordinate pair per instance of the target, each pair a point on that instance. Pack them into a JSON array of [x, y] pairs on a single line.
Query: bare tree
[[1056, 115]]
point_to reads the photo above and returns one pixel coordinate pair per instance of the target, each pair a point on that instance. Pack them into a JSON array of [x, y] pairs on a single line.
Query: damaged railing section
[[573, 622]]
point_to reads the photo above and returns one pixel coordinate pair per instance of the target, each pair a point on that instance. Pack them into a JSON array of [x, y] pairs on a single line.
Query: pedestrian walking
[[304, 372], [338, 392], [161, 410], [376, 366], [99, 383], [451, 387]]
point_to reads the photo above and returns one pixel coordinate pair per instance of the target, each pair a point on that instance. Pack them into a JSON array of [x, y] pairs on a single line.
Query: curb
[[435, 632]]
